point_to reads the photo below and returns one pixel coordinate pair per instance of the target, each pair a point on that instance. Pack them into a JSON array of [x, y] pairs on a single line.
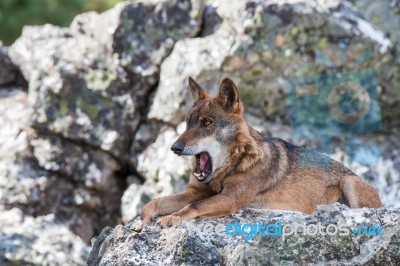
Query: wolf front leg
[[172, 203], [230, 200]]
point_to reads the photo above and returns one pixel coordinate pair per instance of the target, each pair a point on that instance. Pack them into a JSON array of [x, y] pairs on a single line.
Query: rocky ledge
[[363, 237]]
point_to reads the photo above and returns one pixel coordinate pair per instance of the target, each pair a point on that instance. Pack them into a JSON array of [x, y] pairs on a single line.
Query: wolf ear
[[228, 97], [197, 91]]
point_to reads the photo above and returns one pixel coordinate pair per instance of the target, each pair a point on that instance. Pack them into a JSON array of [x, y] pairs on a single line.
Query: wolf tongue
[[203, 161]]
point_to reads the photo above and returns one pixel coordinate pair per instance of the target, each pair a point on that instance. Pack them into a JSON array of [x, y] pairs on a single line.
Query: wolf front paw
[[149, 212], [169, 220]]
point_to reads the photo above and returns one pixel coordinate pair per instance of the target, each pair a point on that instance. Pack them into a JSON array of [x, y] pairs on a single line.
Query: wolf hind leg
[[358, 193]]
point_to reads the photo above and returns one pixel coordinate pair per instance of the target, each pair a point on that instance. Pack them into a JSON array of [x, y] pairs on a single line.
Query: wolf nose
[[177, 148]]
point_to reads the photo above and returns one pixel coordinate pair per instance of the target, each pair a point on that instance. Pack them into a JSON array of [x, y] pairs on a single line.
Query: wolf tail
[[358, 194]]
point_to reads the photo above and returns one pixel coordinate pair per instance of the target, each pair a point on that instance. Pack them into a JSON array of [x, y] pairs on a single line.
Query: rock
[[18, 189], [132, 202], [38, 193], [41, 176], [385, 17], [78, 104], [157, 164], [100, 87], [145, 135], [14, 117], [8, 71], [94, 174], [202, 242], [20, 184], [261, 45], [388, 23], [170, 105], [27, 240], [163, 172], [211, 20], [149, 30], [93, 168]]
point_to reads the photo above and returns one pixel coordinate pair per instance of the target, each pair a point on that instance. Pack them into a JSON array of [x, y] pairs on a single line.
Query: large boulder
[[349, 237], [44, 176], [41, 214], [261, 44], [90, 85]]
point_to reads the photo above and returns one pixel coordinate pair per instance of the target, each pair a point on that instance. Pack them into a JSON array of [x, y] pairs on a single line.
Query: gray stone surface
[[8, 71], [204, 242], [90, 85], [26, 240], [164, 174], [260, 44]]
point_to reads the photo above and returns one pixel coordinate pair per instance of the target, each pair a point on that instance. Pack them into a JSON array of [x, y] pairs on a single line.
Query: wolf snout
[[177, 148]]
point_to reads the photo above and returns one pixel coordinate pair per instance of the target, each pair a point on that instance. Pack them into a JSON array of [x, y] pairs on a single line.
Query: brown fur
[[256, 171]]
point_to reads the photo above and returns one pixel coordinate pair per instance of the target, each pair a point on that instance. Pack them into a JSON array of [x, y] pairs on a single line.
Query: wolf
[[234, 166]]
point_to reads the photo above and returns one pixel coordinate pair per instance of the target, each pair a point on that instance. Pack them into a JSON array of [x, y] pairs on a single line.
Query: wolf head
[[212, 124]]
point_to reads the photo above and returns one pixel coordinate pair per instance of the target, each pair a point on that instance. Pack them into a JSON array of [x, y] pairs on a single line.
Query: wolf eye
[[206, 122]]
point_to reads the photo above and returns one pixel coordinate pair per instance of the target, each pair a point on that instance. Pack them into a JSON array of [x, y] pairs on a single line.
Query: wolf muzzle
[[177, 147]]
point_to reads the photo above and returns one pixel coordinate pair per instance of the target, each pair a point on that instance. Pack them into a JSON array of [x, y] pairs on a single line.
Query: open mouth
[[203, 167]]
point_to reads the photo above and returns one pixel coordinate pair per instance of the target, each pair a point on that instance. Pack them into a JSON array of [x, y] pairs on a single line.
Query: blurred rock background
[[88, 111]]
